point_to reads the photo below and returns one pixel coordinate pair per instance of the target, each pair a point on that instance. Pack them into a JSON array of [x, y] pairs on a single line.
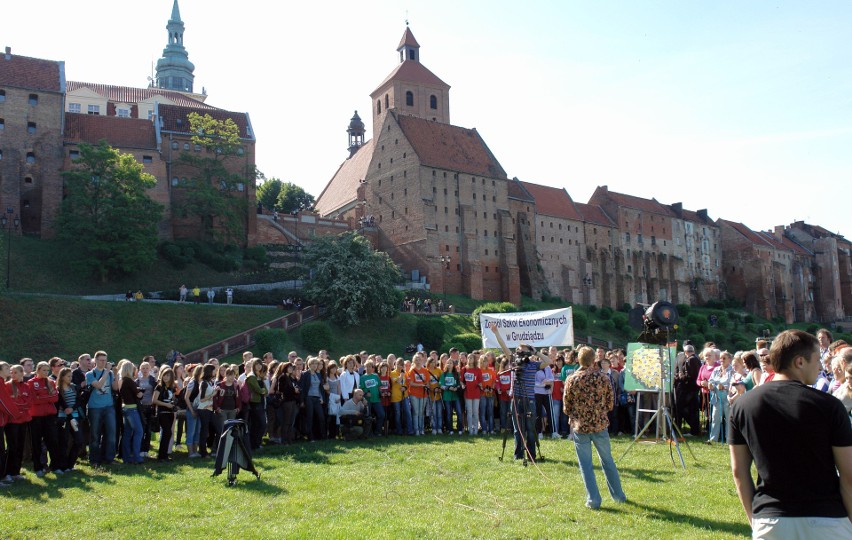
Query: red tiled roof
[[414, 72], [795, 247], [771, 239], [517, 191], [631, 201], [593, 213], [342, 189], [174, 118], [128, 94], [407, 40], [749, 234], [551, 201], [118, 132], [450, 147], [31, 73]]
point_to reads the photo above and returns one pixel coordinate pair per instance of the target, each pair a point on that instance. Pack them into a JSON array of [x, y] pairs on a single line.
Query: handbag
[[334, 405]]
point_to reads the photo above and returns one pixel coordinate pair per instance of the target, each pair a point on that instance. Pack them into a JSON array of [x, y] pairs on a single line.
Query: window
[[175, 181], [30, 158], [147, 159], [93, 109], [74, 154], [379, 107], [1, 155], [433, 102], [387, 105], [186, 146], [241, 186], [183, 181], [240, 151], [627, 238], [409, 98], [123, 113], [33, 99], [28, 180], [72, 107], [629, 269], [198, 148], [2, 123]]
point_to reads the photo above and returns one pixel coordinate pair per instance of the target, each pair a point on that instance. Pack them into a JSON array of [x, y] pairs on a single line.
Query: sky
[[742, 108]]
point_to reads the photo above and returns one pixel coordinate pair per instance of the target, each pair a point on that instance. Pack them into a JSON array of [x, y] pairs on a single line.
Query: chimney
[[678, 209], [8, 53], [703, 214], [779, 232]]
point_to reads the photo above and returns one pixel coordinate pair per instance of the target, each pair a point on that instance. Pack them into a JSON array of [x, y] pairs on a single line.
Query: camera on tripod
[[523, 354]]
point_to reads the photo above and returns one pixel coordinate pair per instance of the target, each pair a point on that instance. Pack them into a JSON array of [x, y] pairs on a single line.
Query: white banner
[[536, 328]]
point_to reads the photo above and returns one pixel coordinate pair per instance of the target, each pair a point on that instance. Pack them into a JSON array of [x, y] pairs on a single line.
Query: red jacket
[[8, 406], [44, 402], [22, 402]]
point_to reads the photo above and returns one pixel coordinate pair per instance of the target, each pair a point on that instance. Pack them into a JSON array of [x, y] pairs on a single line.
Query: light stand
[[445, 260]]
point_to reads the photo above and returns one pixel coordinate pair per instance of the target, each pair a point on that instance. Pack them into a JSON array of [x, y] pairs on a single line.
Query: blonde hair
[[586, 356], [126, 368]]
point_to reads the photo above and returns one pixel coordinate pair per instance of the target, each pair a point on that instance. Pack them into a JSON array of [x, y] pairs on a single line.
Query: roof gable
[[342, 189], [594, 214], [551, 201], [129, 94], [413, 72], [517, 191], [449, 147], [631, 201], [749, 234]]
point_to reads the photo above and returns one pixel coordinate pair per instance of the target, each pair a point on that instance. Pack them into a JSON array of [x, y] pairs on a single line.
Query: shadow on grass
[[698, 522], [56, 486]]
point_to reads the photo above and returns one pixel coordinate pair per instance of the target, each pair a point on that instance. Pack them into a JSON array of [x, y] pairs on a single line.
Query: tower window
[[387, 102], [409, 98], [379, 107], [31, 127], [30, 158], [411, 55], [433, 102], [2, 96], [2, 123], [33, 99]]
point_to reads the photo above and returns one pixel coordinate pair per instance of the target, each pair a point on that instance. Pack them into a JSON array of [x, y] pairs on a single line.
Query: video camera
[[523, 354]]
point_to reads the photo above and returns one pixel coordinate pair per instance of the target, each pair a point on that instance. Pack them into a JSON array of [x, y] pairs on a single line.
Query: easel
[[667, 431]]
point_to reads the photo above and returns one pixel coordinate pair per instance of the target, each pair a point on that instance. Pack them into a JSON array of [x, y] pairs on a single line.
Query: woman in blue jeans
[[257, 402], [131, 439], [193, 424]]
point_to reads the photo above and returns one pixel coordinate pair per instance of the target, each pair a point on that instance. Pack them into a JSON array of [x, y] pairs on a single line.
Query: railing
[[244, 340]]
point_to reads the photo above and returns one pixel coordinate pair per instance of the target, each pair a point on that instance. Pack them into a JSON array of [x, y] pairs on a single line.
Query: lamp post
[[587, 283], [8, 221], [445, 260]]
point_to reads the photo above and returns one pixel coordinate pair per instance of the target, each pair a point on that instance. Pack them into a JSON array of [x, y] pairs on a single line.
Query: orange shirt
[[417, 380], [489, 377]]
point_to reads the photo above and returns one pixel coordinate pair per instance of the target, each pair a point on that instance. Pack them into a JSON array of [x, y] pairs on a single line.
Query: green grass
[[41, 327], [449, 487], [43, 266]]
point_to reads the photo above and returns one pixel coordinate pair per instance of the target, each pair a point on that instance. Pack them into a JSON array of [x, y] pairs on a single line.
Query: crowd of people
[[57, 412]]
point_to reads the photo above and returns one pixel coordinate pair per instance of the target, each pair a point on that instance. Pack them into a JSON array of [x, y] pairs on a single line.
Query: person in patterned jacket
[[587, 399]]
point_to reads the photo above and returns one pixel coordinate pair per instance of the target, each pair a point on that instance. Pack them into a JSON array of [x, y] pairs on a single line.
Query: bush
[[606, 313], [315, 336], [715, 304], [174, 255], [699, 321], [748, 319], [272, 340], [620, 321], [683, 310], [430, 332], [491, 307], [812, 329], [608, 325], [450, 344], [468, 342], [256, 254], [593, 308], [581, 321], [626, 307]]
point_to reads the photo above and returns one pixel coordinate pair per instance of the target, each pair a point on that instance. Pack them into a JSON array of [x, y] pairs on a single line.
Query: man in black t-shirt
[[800, 440]]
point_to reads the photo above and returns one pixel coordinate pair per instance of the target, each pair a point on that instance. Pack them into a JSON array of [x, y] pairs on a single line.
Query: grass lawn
[[399, 487], [41, 327]]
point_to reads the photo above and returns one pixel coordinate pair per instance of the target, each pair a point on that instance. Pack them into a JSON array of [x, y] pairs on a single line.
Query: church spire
[[408, 47], [356, 134], [174, 70]]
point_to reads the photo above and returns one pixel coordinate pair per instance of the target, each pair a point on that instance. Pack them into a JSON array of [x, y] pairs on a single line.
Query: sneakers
[[7, 479], [540, 436], [195, 455], [554, 436], [59, 472], [143, 454], [40, 474]]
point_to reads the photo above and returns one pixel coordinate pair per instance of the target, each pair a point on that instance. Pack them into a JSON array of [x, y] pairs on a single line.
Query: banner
[[648, 367], [536, 328]]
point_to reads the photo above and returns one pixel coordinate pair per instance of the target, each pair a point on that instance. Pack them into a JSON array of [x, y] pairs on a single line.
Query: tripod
[[527, 417], [670, 431]]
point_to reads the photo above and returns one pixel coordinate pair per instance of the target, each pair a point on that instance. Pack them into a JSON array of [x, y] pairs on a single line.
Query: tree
[[351, 279], [107, 216], [292, 198], [208, 194], [267, 193]]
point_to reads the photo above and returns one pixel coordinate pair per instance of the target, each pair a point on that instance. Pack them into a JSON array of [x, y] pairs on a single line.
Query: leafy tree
[[208, 195], [107, 216], [292, 198], [267, 193], [351, 279]]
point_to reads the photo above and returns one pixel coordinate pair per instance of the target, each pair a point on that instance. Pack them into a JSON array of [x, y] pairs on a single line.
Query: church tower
[[356, 134], [411, 89], [174, 70]]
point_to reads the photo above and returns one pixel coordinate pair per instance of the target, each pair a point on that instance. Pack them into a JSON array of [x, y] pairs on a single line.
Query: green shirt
[[371, 385], [448, 380]]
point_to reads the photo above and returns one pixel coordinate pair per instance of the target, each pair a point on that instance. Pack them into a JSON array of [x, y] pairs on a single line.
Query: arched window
[[30, 158], [379, 107], [387, 102], [433, 102], [409, 98]]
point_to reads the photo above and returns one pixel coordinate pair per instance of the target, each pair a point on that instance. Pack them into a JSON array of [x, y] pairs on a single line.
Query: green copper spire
[[174, 70]]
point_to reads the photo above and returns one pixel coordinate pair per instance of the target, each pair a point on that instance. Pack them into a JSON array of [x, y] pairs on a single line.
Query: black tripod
[[528, 418]]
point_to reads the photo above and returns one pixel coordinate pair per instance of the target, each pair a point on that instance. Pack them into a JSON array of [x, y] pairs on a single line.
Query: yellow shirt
[[397, 392], [433, 383]]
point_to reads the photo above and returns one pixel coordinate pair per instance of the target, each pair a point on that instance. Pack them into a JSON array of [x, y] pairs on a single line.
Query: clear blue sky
[[742, 108]]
